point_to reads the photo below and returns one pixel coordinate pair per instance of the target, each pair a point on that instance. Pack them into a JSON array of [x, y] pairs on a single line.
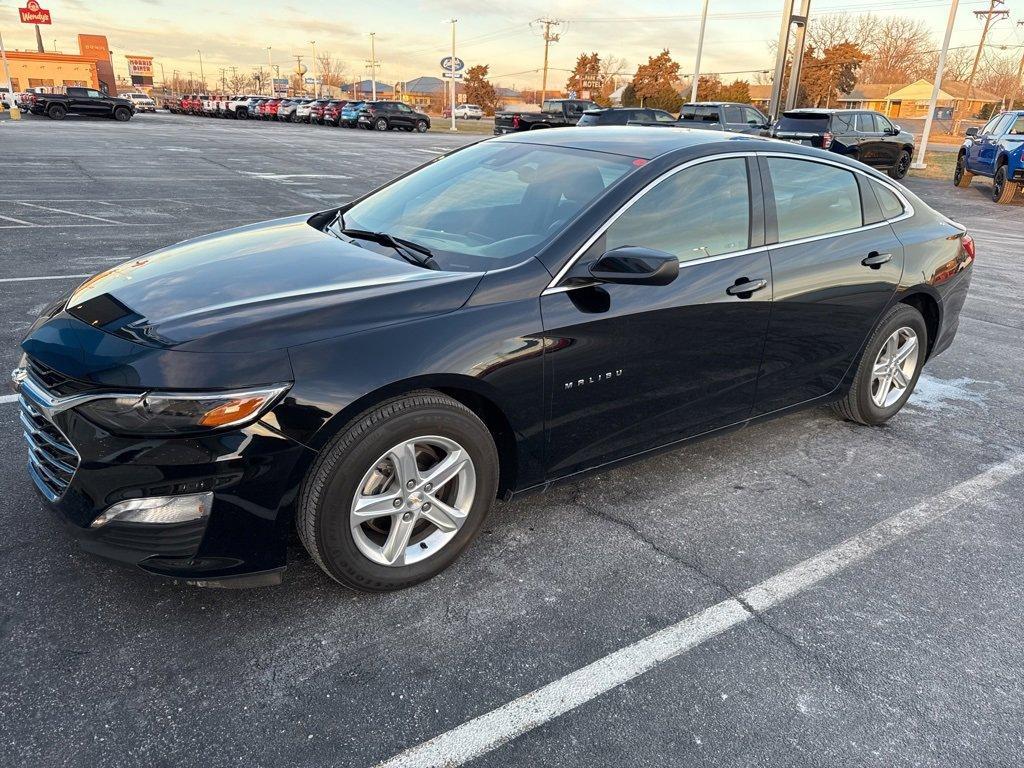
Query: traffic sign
[[33, 14], [456, 75], [446, 64]]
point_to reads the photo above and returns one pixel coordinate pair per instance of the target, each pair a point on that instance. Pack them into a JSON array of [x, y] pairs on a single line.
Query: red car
[[316, 110], [332, 112], [268, 111]]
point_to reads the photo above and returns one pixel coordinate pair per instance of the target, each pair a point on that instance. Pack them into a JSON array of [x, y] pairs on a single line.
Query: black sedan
[[512, 314]]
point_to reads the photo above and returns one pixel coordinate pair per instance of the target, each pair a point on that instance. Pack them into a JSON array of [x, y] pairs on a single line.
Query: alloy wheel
[[412, 502], [894, 367]]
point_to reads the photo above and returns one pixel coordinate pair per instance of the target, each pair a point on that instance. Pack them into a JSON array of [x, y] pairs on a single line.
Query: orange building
[[91, 67]]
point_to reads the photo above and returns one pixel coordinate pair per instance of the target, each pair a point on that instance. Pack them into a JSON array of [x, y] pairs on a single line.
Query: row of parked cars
[[379, 115]]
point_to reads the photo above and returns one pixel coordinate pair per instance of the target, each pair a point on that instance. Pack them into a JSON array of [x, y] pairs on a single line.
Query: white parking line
[[16, 221], [499, 726], [8, 398], [70, 213], [41, 277]]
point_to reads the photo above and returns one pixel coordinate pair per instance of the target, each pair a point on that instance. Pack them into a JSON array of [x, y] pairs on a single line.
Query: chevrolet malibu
[[512, 314]]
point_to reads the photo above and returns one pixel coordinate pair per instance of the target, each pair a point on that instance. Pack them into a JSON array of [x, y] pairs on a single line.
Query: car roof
[[631, 141]]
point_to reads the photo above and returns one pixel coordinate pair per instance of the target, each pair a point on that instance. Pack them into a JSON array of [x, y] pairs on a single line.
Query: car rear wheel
[[56, 112], [888, 369], [902, 165], [1003, 189], [961, 176], [421, 126], [396, 497], [122, 114]]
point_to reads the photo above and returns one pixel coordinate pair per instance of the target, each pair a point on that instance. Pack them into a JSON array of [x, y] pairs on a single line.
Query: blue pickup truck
[[996, 151]]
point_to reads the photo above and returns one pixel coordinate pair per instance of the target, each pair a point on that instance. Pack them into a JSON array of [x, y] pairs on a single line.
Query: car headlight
[[159, 413]]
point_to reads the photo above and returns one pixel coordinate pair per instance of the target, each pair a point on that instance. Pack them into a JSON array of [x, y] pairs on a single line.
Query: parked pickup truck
[[81, 101], [996, 150], [555, 113]]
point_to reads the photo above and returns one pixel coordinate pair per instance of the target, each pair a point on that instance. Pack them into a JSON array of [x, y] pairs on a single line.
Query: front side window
[[734, 115], [701, 211], [1003, 125], [753, 117], [1018, 127], [989, 126], [490, 202], [883, 123], [813, 199]]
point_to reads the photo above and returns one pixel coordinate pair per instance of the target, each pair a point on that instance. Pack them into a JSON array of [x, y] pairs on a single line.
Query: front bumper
[[252, 472]]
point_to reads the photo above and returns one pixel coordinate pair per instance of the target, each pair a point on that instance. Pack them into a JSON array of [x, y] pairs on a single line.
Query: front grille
[[52, 460], [56, 382]]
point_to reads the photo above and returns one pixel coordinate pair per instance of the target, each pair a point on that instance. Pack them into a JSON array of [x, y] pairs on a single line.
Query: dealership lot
[[898, 647]]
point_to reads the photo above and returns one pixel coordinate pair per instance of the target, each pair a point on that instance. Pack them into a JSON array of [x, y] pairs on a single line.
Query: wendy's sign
[[33, 14]]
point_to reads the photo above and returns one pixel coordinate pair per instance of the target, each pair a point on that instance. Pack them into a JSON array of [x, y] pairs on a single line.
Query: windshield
[[489, 205]]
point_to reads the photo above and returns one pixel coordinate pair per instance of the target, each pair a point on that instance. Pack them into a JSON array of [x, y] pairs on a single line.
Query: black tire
[[322, 517], [1003, 188], [56, 112], [421, 126], [122, 114], [381, 124], [902, 165], [961, 176], [857, 405]]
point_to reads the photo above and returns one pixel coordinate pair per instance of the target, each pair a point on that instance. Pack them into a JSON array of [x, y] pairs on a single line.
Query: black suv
[[385, 115], [860, 134], [625, 116]]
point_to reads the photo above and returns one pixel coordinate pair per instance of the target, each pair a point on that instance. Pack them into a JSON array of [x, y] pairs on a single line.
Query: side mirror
[[972, 131], [632, 265]]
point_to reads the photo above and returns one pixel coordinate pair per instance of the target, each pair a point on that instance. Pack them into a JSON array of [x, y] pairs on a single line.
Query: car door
[[870, 146], [989, 149], [889, 146], [835, 267], [633, 367], [974, 150]]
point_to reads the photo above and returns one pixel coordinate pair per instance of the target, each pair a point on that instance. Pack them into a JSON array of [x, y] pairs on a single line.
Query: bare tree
[[899, 48], [998, 73], [832, 29], [332, 71], [958, 65]]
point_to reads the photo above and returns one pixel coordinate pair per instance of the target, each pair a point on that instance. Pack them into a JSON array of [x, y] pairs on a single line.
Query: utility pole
[[452, 73], [700, 49], [39, 40], [796, 68], [991, 13], [373, 66], [1020, 76], [223, 80], [270, 68], [549, 38], [919, 163]]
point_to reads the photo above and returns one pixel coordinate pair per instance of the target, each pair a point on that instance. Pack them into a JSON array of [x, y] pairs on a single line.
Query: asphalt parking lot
[[803, 592]]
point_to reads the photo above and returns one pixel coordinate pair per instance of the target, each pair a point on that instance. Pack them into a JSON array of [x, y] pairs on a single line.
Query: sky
[[412, 36]]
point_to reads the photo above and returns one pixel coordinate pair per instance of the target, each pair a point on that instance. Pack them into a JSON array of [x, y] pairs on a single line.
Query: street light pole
[[919, 163], [373, 67], [452, 73], [316, 87], [270, 68], [202, 76], [700, 48]]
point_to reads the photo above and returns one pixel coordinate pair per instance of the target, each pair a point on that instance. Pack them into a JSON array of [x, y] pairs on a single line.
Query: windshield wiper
[[412, 252]]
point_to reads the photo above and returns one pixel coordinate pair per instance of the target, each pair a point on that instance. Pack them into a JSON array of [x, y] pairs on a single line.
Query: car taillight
[[967, 243], [826, 140], [515, 121]]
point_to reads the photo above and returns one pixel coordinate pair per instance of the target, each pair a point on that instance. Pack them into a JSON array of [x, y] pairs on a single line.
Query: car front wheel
[[380, 124], [399, 493], [122, 115], [888, 369], [56, 112]]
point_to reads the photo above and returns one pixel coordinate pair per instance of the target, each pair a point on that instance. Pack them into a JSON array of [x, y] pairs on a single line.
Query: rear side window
[[708, 114], [842, 123], [803, 122], [688, 112], [866, 123], [813, 199], [698, 212], [890, 204], [734, 115]]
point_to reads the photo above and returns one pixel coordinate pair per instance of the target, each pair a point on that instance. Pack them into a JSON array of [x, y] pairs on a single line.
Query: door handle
[[744, 288], [875, 260]]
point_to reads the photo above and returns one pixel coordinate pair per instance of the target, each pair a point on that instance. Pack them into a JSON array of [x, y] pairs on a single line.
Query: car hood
[[265, 286]]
